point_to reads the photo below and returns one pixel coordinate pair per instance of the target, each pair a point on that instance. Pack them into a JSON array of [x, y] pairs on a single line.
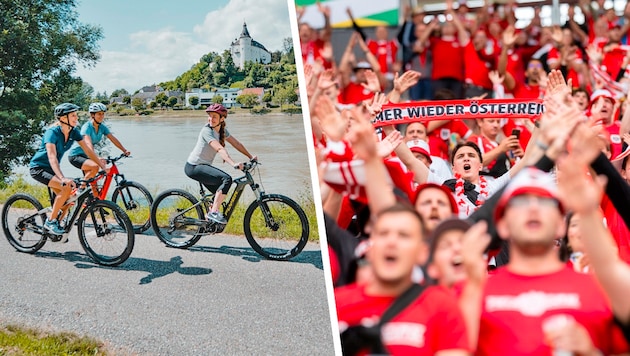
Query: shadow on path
[[154, 268], [248, 254]]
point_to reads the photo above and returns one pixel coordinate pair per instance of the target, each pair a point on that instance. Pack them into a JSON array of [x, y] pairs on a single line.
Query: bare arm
[[508, 40], [222, 152], [51, 151], [93, 156], [118, 144], [238, 145]]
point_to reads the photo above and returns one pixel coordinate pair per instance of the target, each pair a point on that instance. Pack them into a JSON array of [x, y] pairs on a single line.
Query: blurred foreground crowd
[[504, 236]]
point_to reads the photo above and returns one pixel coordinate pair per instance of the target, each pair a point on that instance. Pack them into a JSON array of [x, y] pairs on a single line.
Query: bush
[[127, 112], [292, 109], [260, 110]]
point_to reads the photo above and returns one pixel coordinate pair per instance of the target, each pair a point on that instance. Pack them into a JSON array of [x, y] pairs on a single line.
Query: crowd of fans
[[488, 236]]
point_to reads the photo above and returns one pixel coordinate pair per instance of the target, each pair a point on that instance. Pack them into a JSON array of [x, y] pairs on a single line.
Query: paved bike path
[[219, 297]]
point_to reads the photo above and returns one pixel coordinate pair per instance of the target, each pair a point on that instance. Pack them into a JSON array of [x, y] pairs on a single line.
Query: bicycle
[[275, 226], [131, 196], [104, 230]]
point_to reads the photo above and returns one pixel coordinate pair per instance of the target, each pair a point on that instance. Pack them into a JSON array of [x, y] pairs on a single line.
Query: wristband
[[542, 145]]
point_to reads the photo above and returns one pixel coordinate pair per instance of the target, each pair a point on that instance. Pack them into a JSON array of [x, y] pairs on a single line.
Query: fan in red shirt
[[497, 157], [534, 73], [480, 54], [430, 325], [603, 113], [445, 133], [315, 44], [536, 304]]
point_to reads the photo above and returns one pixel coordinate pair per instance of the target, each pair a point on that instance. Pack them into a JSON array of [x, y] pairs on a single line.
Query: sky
[[147, 42]]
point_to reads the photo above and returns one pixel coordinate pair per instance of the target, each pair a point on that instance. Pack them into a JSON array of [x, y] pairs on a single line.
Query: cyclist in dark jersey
[[45, 168], [199, 166]]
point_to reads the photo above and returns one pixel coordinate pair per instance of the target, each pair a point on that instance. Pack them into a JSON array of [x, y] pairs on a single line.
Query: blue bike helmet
[[64, 109]]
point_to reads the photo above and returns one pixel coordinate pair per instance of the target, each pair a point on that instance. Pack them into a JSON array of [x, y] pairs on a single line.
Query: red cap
[[529, 181], [601, 93], [420, 146]]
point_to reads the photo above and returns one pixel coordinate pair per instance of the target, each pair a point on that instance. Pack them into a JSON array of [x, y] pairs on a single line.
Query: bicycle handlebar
[[251, 164], [112, 160]]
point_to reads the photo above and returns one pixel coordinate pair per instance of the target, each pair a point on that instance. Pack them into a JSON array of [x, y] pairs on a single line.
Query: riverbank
[[200, 112]]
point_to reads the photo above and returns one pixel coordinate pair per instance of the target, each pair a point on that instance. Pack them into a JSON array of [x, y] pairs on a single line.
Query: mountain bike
[[104, 230], [131, 196], [275, 226]]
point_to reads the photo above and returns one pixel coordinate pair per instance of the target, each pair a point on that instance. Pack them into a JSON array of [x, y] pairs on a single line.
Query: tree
[[41, 43], [247, 100], [285, 95], [217, 99], [119, 92], [137, 104], [193, 100], [161, 99], [126, 99], [267, 97], [171, 101]]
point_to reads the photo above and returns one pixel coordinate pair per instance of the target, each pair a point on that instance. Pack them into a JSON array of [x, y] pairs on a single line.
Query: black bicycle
[[276, 227], [104, 229]]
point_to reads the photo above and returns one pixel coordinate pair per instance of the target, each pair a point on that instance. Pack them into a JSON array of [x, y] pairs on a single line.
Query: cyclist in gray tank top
[[210, 142]]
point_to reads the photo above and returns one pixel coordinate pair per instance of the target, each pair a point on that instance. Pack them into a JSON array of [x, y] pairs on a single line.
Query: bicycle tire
[[136, 200], [24, 235], [106, 233], [170, 225], [267, 236]]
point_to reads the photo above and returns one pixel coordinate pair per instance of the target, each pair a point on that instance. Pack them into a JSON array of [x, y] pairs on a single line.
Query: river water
[[160, 146]]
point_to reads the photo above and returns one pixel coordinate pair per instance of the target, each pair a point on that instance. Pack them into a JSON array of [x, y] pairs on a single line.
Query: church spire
[[245, 33]]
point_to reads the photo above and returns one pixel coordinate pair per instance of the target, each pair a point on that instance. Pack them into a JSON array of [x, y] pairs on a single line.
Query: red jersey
[[448, 59], [554, 57], [385, 52], [617, 228], [616, 143], [515, 306], [476, 68], [523, 90], [517, 124], [515, 65], [354, 93], [311, 52], [439, 138], [612, 61], [485, 145], [431, 323]]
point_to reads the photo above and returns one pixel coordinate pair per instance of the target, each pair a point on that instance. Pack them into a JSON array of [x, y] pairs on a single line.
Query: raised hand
[[372, 84], [331, 121], [361, 136], [474, 243], [556, 34], [495, 78], [406, 80], [326, 79], [375, 105], [509, 37], [594, 54], [389, 144]]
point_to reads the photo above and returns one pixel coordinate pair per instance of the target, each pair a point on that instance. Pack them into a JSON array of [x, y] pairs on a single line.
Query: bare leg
[[90, 169], [218, 199]]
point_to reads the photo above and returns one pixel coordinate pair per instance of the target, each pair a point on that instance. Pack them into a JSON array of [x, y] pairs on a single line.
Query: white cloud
[[156, 56]]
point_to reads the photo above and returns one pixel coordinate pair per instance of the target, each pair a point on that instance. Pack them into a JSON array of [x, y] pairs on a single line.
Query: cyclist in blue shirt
[[93, 132], [45, 168]]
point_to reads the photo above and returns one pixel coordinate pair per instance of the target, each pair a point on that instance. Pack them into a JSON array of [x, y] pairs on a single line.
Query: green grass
[[16, 340]]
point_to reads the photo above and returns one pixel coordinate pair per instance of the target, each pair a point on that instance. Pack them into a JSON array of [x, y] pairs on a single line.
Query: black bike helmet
[[218, 108], [64, 109]]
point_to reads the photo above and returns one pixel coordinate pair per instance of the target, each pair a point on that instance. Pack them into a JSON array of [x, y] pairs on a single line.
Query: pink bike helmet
[[218, 108]]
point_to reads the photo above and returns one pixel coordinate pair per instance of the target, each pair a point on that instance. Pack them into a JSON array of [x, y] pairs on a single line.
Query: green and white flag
[[366, 13]]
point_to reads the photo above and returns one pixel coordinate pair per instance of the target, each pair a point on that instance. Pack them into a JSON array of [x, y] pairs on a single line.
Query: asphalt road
[[217, 298]]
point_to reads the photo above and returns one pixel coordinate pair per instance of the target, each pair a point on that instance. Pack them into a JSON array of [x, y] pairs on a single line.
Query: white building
[[205, 97], [245, 49]]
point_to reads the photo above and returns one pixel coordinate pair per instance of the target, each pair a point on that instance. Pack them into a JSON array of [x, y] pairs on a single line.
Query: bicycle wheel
[[176, 217], [106, 233], [276, 227], [136, 201], [21, 224]]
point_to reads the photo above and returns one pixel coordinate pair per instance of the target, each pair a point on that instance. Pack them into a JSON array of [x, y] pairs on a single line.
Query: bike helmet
[[64, 109], [218, 108], [97, 107]]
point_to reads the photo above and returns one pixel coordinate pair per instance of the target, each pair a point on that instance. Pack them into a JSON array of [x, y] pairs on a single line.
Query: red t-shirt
[[522, 90], [485, 145], [616, 143], [476, 69], [439, 138], [517, 124], [612, 61], [354, 93], [617, 228], [430, 324], [311, 52], [448, 59], [514, 308], [554, 57], [385, 52]]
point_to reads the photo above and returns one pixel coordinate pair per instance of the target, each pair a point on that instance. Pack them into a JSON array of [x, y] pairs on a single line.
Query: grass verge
[[16, 340]]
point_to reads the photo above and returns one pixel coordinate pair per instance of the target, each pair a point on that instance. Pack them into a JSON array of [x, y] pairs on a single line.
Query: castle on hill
[[245, 49]]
